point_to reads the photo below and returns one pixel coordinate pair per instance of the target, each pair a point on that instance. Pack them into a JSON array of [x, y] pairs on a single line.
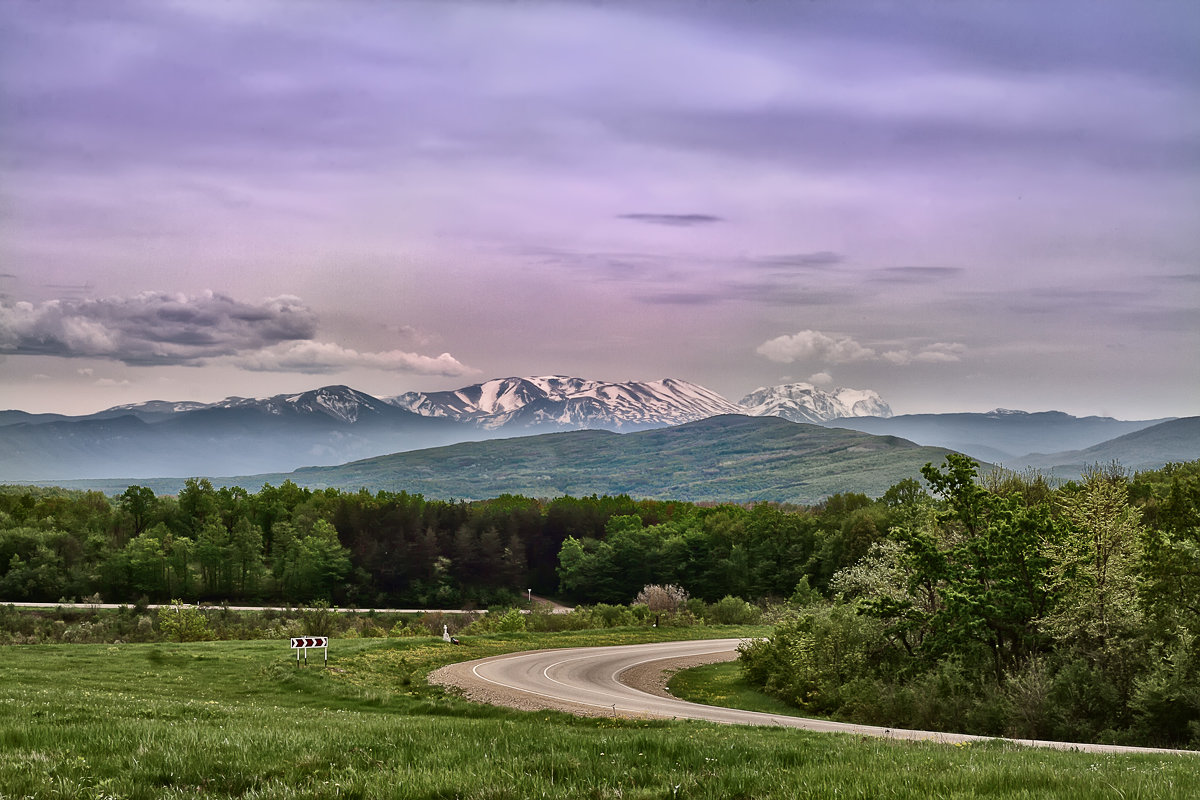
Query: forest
[[996, 603]]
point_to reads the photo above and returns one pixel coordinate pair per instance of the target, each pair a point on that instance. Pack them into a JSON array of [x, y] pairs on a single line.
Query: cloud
[[676, 220], [811, 345], [936, 353], [915, 274], [159, 329], [819, 258], [152, 328], [820, 379], [316, 358]]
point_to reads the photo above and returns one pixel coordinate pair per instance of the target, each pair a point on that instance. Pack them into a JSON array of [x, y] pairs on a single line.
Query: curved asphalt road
[[591, 677]]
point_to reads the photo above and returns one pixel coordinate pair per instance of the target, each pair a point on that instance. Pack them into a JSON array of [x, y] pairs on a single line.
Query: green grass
[[237, 719], [723, 685]]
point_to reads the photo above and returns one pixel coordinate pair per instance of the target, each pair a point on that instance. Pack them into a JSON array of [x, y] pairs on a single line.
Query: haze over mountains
[[336, 424]]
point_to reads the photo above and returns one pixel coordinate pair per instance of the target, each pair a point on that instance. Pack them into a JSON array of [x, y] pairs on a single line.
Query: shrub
[[662, 599], [183, 623], [731, 610], [503, 621]]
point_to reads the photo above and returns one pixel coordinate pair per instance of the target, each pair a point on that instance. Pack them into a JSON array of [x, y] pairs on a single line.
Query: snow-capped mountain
[[341, 403], [562, 402], [803, 402]]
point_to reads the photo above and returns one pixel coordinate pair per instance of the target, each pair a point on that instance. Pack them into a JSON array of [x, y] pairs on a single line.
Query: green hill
[[728, 458]]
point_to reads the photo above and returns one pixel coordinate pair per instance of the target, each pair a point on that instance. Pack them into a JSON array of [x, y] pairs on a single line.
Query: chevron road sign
[[301, 644]]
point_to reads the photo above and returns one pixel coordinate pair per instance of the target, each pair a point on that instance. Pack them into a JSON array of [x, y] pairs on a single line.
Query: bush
[[543, 619], [662, 599], [183, 623], [731, 610], [813, 655], [319, 619]]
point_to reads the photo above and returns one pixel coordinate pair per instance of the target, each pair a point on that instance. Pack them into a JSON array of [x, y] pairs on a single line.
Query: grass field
[[723, 685], [237, 719]]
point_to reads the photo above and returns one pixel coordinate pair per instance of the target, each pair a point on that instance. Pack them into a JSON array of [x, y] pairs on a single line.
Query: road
[[589, 680]]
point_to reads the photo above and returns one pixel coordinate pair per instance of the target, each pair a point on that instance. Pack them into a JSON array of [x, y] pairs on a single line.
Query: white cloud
[[937, 353], [809, 345], [324, 357], [821, 379]]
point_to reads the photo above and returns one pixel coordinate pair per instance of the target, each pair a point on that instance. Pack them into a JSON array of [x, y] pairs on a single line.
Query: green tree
[[985, 562], [139, 504], [1093, 564], [183, 623]]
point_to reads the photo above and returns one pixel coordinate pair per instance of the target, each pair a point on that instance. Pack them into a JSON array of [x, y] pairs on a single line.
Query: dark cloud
[[699, 298], [158, 329], [815, 260], [762, 293], [152, 327], [1059, 300], [915, 274], [677, 220], [606, 266], [1181, 277]]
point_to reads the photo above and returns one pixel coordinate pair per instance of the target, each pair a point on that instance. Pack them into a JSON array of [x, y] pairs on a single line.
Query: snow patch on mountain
[[559, 401], [338, 402], [803, 402]]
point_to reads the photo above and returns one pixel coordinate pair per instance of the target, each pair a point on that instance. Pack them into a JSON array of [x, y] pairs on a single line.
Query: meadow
[[239, 719]]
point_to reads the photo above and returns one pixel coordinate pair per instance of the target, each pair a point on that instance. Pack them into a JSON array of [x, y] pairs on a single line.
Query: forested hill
[[721, 459]]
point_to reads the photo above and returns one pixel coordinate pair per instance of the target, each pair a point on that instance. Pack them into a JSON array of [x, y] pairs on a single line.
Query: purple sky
[[961, 205]]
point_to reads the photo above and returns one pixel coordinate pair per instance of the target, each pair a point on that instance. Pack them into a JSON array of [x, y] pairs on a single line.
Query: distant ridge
[[1002, 435], [726, 458], [1176, 440]]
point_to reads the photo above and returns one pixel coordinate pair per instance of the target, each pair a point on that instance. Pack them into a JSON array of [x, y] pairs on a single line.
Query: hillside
[[730, 457], [1000, 436], [1177, 440]]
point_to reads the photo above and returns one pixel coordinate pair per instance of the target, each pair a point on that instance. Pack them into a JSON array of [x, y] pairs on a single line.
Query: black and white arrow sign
[[310, 641]]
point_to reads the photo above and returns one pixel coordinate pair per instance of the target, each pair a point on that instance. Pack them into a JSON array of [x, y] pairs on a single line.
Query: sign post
[[302, 643]]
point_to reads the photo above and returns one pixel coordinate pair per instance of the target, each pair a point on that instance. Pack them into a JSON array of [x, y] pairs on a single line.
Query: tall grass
[[238, 719]]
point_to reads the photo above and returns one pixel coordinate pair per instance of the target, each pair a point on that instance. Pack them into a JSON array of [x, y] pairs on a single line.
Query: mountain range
[[558, 402], [330, 425], [336, 424]]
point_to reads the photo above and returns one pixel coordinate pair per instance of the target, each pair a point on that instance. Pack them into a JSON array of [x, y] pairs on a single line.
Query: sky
[[961, 205]]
